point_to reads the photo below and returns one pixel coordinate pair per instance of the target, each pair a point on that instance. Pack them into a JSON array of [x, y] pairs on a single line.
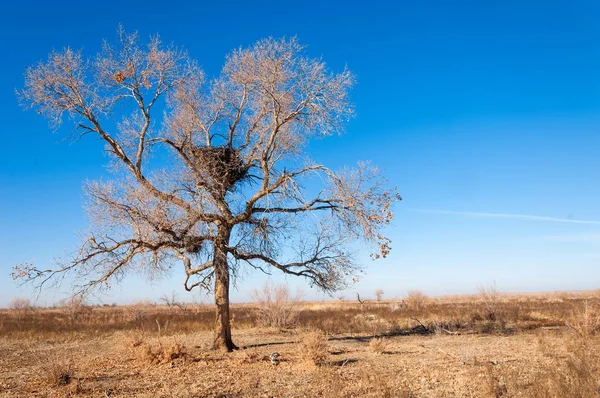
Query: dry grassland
[[489, 345]]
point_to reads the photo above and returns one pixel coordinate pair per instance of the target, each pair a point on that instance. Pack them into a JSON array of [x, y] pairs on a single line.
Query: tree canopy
[[211, 174]]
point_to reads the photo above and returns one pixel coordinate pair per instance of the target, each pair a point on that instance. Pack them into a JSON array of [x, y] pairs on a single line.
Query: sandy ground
[[418, 366]]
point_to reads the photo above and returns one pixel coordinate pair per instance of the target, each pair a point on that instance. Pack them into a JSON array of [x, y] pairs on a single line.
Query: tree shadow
[[342, 362], [268, 344], [417, 330], [389, 352]]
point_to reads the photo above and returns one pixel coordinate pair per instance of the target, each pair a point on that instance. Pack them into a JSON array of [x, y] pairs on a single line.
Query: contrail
[[505, 215]]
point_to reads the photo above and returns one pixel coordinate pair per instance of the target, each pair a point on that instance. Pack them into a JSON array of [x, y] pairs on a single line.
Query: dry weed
[[134, 339], [20, 305], [379, 345], [161, 353], [490, 296], [496, 385], [584, 322], [416, 300], [576, 376], [312, 348], [276, 307], [575, 373], [57, 371]]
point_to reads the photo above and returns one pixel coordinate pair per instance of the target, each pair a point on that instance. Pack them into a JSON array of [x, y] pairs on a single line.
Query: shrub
[[75, 307], [162, 353], [276, 308], [577, 375], [57, 371], [20, 305], [490, 296], [313, 348], [416, 300], [378, 345], [585, 322], [134, 338]]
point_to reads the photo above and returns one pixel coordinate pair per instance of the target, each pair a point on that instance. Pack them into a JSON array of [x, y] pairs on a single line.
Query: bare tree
[[379, 294], [216, 181]]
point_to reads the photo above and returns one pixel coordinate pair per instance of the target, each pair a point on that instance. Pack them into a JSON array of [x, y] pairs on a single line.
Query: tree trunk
[[222, 339]]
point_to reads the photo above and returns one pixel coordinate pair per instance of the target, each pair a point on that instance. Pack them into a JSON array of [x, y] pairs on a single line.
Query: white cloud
[[505, 215], [576, 238]]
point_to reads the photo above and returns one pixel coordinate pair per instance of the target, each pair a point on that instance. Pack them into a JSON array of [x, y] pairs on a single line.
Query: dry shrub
[[490, 296], [174, 351], [20, 305], [133, 339], [136, 313], [57, 371], [577, 375], [584, 322], [496, 386], [416, 300], [76, 308], [312, 348], [161, 353], [276, 307], [379, 345]]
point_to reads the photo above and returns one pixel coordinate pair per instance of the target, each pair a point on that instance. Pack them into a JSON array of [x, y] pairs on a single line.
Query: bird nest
[[222, 165]]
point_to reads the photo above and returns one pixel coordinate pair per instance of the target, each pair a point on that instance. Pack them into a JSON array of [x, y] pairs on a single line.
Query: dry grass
[[313, 348], [161, 353], [467, 314], [576, 375], [57, 371], [276, 306], [536, 346], [576, 372], [416, 300], [20, 305], [585, 321], [379, 345]]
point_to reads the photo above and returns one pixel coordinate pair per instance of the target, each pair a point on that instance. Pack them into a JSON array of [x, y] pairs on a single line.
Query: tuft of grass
[[135, 339], [379, 345], [312, 348], [495, 384], [57, 371], [162, 353]]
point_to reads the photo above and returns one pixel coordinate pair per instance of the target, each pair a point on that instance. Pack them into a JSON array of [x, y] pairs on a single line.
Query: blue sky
[[485, 115]]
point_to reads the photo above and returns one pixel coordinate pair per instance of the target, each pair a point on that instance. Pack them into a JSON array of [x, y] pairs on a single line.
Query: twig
[[448, 331], [420, 323]]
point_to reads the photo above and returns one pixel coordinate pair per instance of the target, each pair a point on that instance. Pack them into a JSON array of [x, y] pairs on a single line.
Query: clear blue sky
[[474, 110]]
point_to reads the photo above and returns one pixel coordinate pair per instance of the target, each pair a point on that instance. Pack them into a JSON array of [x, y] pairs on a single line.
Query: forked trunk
[[222, 339]]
